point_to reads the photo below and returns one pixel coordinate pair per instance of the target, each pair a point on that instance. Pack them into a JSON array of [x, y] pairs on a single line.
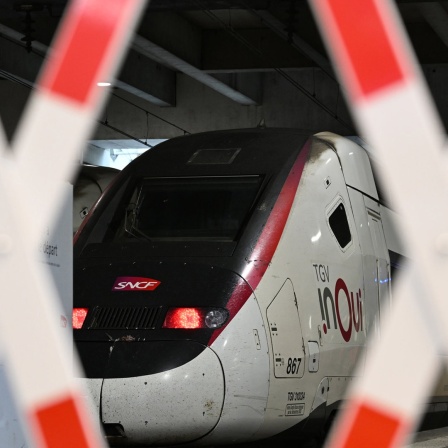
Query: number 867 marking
[[293, 366]]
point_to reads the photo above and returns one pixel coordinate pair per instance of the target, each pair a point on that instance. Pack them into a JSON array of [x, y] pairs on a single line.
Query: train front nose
[[178, 405]]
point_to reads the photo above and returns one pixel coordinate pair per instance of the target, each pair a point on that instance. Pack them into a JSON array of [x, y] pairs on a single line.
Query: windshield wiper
[[132, 229]]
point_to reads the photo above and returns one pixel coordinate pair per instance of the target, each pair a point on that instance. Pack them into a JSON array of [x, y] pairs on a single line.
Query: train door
[[382, 264], [286, 335]]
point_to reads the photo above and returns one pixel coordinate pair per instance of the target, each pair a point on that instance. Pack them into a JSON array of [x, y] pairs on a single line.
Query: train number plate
[[295, 409]]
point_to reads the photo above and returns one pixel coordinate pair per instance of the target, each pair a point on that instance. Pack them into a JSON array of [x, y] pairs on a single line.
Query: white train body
[[304, 295]]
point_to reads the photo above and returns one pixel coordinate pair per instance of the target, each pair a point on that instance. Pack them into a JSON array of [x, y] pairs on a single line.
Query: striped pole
[[394, 111], [56, 124], [62, 111]]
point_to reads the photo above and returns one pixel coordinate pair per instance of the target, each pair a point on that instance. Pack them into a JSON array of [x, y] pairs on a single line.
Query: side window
[[339, 225]]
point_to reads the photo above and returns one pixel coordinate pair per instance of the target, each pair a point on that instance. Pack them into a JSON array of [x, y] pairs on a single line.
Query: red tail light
[[78, 317], [195, 318], [188, 318]]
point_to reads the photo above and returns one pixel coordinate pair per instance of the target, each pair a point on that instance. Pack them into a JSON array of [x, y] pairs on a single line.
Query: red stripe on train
[[267, 243]]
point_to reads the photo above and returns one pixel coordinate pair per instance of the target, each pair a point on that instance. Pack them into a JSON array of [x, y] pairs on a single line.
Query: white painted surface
[[246, 376], [354, 161], [284, 326], [11, 434], [188, 398], [91, 392], [313, 365], [55, 250]]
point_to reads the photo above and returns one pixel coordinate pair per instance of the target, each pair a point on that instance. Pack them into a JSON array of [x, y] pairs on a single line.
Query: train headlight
[[215, 318], [195, 318]]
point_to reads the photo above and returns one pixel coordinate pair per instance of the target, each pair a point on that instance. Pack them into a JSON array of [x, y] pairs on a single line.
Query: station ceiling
[[215, 42]]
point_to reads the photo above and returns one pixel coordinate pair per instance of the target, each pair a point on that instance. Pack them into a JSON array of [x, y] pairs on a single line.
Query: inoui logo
[[135, 284], [327, 297]]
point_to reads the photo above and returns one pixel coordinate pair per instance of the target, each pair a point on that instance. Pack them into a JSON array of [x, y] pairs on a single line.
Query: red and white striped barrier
[[394, 112], [54, 129], [61, 114]]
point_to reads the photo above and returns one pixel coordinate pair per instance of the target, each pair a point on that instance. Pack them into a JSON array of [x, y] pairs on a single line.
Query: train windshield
[[193, 208]]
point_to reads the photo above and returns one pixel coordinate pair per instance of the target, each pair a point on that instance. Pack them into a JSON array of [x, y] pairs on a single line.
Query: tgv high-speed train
[[226, 285], [89, 185]]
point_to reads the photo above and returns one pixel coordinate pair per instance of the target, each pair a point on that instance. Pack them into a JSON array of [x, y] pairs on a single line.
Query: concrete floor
[[436, 438]]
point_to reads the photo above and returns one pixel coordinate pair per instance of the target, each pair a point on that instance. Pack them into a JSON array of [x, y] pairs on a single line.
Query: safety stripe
[[68, 98], [59, 425], [392, 386], [84, 44], [395, 113], [365, 44], [373, 427], [59, 117]]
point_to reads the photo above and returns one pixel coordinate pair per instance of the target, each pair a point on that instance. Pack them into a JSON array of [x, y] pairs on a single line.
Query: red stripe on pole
[[370, 426], [81, 48], [366, 44], [60, 425]]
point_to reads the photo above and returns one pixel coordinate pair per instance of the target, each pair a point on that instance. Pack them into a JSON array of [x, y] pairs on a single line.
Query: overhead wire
[[10, 77], [280, 71], [325, 69], [119, 131], [16, 79], [150, 113], [30, 85], [245, 42]]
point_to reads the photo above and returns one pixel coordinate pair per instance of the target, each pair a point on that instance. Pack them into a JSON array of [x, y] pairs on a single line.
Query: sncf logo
[[135, 284], [332, 301]]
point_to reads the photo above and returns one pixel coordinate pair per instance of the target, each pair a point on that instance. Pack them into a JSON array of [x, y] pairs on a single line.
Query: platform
[[436, 438]]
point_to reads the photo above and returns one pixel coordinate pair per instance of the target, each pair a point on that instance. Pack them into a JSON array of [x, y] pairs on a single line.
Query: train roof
[[251, 151], [354, 160], [247, 151]]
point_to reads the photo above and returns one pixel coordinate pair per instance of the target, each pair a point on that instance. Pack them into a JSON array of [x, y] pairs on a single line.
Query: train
[[227, 285], [88, 186]]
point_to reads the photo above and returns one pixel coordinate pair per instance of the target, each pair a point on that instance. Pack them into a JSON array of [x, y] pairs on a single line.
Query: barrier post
[[56, 124], [394, 112]]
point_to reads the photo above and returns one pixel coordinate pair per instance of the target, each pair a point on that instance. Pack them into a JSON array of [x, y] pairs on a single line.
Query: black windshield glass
[[199, 208]]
